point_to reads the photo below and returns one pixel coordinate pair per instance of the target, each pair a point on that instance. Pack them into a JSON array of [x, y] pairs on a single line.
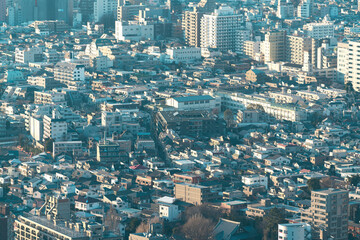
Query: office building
[[191, 27], [188, 123], [193, 103], [294, 231], [194, 194], [107, 151], [2, 10], [273, 47], [218, 30], [134, 30], [129, 12], [183, 54], [328, 214], [34, 54], [319, 30], [104, 8], [285, 9], [87, 9], [68, 147]]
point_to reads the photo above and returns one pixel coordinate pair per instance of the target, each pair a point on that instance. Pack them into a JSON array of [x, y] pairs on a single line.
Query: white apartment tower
[[219, 29], [342, 61], [294, 231], [352, 73]]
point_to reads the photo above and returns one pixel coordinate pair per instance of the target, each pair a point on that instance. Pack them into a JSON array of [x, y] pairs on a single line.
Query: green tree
[[354, 180], [228, 117], [313, 184], [332, 171], [270, 223], [48, 145], [132, 225]]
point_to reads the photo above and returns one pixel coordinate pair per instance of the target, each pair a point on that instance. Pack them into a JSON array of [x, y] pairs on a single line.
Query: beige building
[[296, 46], [328, 213], [273, 47], [194, 194], [191, 27]]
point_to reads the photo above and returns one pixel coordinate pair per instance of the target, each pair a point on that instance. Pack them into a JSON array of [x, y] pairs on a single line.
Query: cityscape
[[179, 120]]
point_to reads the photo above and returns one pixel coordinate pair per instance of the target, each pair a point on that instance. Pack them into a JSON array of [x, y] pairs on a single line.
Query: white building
[[294, 231], [319, 30], [55, 129], [252, 180], [193, 103], [169, 212], [219, 29], [103, 8], [353, 70], [133, 30], [71, 74], [183, 54], [342, 61], [36, 128], [34, 54]]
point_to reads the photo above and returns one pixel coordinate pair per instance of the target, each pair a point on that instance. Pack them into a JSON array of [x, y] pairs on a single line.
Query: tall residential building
[[191, 27], [294, 231], [342, 61], [328, 214], [295, 48], [353, 71], [56, 207], [55, 129], [273, 47], [103, 8], [34, 54], [218, 30]]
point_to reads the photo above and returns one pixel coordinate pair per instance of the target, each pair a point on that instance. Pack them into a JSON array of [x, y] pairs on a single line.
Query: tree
[[228, 117], [198, 228], [48, 145], [349, 87], [270, 223], [332, 171], [313, 184], [132, 225], [354, 180]]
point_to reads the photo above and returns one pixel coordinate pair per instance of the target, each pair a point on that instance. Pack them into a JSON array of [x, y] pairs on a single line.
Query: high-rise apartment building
[[353, 70], [342, 61], [328, 214], [218, 30], [103, 8], [191, 27], [273, 47], [295, 48], [55, 129]]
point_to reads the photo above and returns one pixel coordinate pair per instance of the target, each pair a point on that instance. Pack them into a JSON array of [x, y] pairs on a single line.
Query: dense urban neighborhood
[[179, 120]]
